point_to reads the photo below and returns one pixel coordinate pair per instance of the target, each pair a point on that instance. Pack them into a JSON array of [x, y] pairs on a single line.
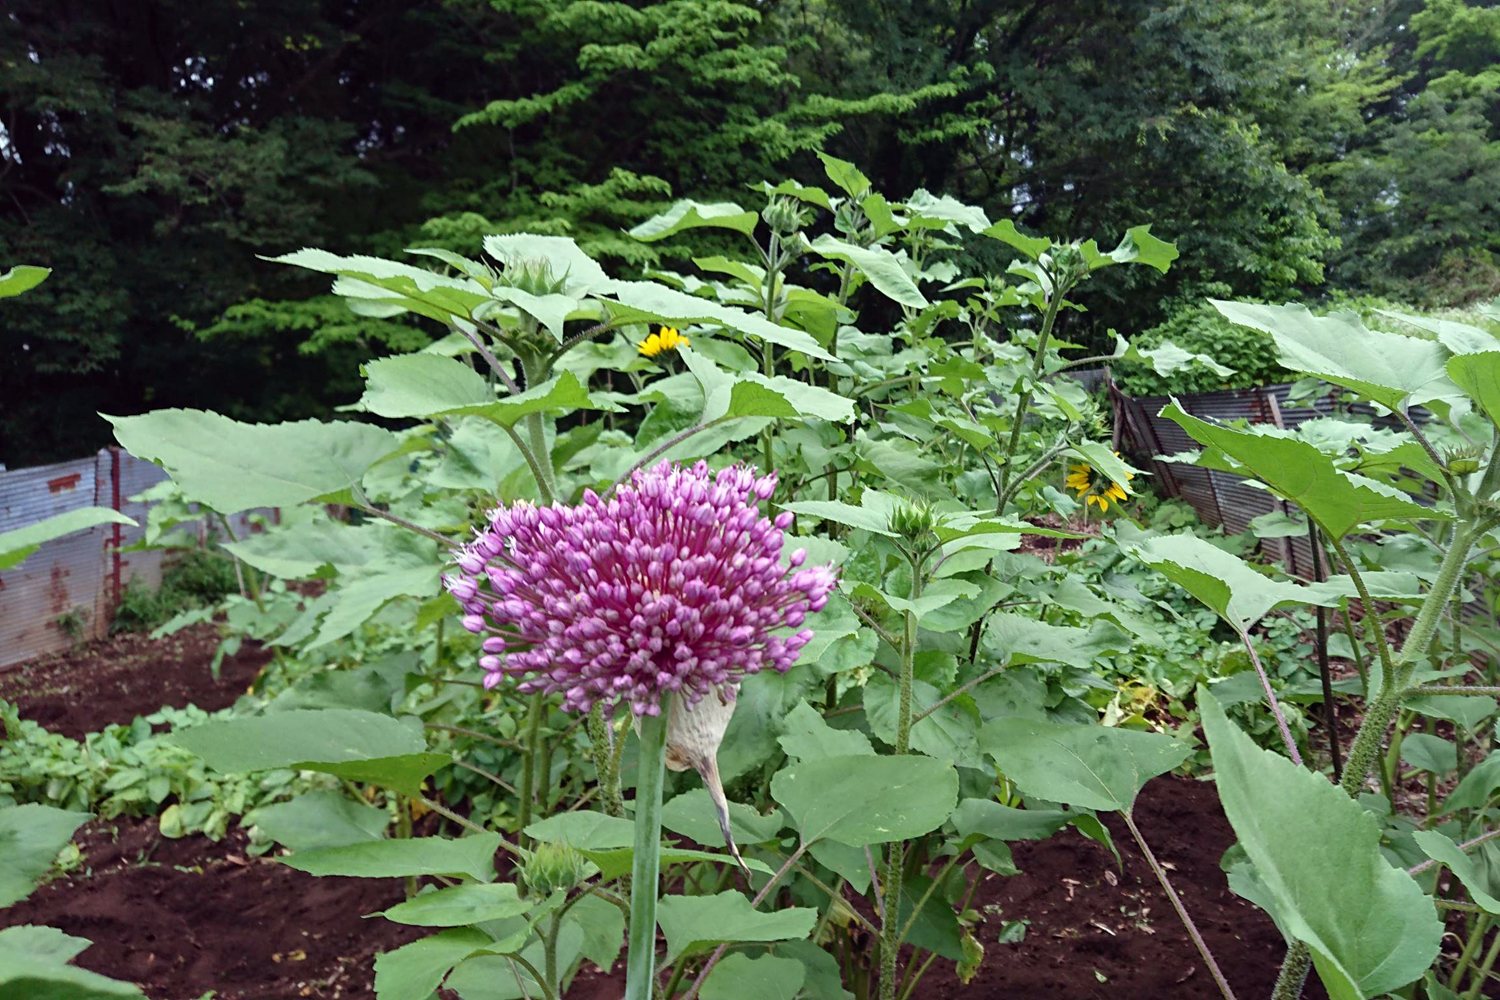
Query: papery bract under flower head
[[673, 584]]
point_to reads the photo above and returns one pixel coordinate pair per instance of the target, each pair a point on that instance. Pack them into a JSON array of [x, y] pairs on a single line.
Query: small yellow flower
[[1080, 479], [665, 339]]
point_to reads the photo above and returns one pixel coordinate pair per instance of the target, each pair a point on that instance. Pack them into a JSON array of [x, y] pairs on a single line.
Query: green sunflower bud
[[785, 215], [554, 866], [1463, 461], [913, 522]]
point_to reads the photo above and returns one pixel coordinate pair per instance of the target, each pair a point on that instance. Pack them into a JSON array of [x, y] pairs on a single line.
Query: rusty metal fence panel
[[68, 589], [66, 576], [1222, 498]]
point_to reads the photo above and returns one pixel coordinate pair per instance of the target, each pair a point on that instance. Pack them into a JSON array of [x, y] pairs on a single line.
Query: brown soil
[[116, 679], [182, 917], [1098, 932]]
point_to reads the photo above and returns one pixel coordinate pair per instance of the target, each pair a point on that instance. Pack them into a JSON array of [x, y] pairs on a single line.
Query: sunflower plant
[[737, 664]]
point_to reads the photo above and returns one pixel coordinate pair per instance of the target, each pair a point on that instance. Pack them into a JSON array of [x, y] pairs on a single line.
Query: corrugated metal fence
[[68, 589], [1222, 498]]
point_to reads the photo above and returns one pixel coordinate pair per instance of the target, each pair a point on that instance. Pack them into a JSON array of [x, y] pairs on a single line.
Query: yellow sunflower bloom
[[665, 339], [1080, 479]]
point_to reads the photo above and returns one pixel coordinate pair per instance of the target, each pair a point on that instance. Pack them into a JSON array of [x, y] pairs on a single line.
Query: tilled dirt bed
[[184, 917]]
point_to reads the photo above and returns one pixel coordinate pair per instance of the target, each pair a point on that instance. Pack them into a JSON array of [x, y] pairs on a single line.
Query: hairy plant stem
[[1182, 913], [1265, 683], [1379, 713], [537, 370], [1032, 471], [1482, 974], [890, 924], [609, 777], [1330, 713], [1037, 363], [549, 954], [640, 959], [1471, 946], [528, 763]]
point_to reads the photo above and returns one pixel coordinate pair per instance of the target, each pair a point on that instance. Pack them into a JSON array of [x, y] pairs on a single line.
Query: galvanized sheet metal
[[64, 576], [77, 579], [1222, 498]]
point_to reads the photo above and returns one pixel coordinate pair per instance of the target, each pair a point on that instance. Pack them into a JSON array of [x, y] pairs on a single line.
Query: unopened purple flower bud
[[471, 563], [474, 623], [461, 587]]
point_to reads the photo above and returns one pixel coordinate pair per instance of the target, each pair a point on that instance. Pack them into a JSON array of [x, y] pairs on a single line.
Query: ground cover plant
[[736, 622]]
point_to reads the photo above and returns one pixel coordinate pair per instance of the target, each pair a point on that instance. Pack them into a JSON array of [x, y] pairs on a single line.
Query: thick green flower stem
[[1365, 751], [537, 371], [890, 926], [640, 960], [1380, 713], [1294, 972], [1482, 974], [529, 761], [1471, 948], [609, 778], [549, 955], [1048, 318]]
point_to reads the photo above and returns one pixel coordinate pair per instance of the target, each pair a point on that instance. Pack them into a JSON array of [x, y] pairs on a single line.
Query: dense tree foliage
[[149, 152]]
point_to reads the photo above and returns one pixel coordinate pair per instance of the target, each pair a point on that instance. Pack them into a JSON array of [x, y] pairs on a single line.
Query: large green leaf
[[320, 819], [988, 818], [34, 966], [30, 837], [414, 971], [809, 737], [1222, 581], [1445, 852], [1032, 246], [880, 266], [1298, 471], [429, 385], [617, 861], [845, 174], [1369, 926], [867, 518], [421, 385], [22, 278], [697, 923], [752, 394], [1388, 368], [16, 545], [1020, 639], [1095, 767], [583, 828], [692, 815], [1137, 247], [461, 905], [233, 466], [437, 296], [1479, 376], [765, 978], [473, 857], [861, 800], [687, 214], [647, 301], [360, 746]]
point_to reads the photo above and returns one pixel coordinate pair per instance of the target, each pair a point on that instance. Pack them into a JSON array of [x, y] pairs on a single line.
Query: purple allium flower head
[[674, 584]]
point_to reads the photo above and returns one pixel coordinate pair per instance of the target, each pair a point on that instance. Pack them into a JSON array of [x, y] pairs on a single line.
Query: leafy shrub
[[1200, 328], [191, 580]]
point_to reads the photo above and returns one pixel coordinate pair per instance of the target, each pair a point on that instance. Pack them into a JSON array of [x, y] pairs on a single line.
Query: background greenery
[[1292, 148]]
